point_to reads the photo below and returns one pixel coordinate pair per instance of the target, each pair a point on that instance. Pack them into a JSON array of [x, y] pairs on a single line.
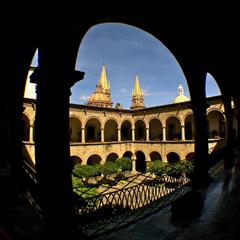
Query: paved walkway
[[219, 217]]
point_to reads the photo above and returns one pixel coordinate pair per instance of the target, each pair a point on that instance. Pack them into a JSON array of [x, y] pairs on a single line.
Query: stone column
[[228, 160], [134, 166], [147, 134], [102, 134], [54, 77], [31, 133], [183, 133], [198, 99], [133, 134], [119, 134], [164, 133], [83, 135]]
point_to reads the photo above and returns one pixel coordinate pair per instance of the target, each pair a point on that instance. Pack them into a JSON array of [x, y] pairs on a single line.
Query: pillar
[[53, 77], [197, 77], [119, 134], [229, 136], [102, 134], [164, 133], [147, 134], [134, 166], [183, 133], [83, 135], [133, 134], [31, 133]]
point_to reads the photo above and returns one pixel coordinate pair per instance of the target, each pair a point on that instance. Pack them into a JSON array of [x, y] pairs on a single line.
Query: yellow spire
[[103, 78], [137, 91]]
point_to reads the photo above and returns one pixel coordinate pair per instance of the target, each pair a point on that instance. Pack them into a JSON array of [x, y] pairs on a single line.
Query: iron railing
[[128, 202]]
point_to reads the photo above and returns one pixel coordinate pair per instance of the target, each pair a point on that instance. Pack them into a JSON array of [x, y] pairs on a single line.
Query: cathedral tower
[[101, 97], [137, 95]]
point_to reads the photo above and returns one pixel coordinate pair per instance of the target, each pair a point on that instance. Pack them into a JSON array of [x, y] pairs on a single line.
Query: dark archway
[[155, 156], [75, 160], [173, 157], [112, 157], [140, 161], [93, 160], [190, 157], [128, 154], [126, 131]]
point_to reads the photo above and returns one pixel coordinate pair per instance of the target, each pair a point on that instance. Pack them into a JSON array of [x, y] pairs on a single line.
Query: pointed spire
[[137, 95], [103, 81], [137, 89]]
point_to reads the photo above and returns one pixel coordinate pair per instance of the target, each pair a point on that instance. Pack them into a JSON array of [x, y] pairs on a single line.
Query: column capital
[[73, 76]]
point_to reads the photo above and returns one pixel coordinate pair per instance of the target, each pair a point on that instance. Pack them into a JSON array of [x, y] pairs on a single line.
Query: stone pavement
[[219, 217]]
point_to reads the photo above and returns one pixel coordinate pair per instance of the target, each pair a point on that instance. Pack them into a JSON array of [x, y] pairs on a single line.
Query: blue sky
[[127, 50]]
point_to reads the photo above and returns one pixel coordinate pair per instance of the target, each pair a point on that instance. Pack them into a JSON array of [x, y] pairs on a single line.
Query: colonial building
[[98, 132]]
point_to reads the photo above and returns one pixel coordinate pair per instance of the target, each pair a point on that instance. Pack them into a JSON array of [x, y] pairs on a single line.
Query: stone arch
[[190, 157], [173, 128], [189, 126], [154, 155], [93, 130], [75, 160], [173, 157], [110, 130], [140, 130], [84, 122], [140, 161], [94, 159], [128, 154], [25, 128], [155, 129], [215, 124], [112, 157], [126, 130], [75, 129]]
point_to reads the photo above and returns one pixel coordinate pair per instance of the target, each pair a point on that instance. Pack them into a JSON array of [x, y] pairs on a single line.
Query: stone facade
[[155, 133]]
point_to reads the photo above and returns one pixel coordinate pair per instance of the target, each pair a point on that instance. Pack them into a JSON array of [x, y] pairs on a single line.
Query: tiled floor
[[219, 217]]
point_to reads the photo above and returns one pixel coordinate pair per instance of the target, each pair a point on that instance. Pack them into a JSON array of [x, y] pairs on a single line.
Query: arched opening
[[155, 130], [173, 157], [140, 130], [75, 160], [216, 125], [94, 159], [140, 162], [128, 154], [110, 131], [122, 43], [212, 88], [173, 127], [30, 88], [155, 156], [112, 157], [75, 129], [93, 130], [25, 128], [189, 127], [190, 157], [126, 131]]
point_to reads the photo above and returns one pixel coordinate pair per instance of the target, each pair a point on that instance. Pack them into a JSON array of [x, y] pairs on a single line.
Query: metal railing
[[118, 206]]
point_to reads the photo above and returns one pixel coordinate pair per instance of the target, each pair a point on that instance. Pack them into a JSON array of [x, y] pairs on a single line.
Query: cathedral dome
[[101, 97], [98, 97], [181, 97]]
